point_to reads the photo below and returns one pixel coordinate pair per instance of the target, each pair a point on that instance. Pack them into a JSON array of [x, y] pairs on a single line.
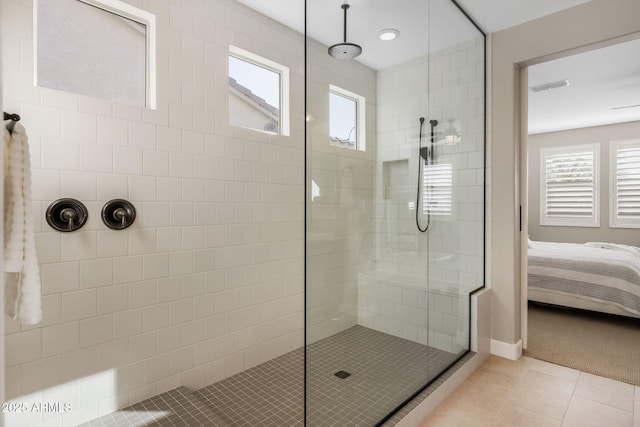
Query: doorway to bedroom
[[582, 211]]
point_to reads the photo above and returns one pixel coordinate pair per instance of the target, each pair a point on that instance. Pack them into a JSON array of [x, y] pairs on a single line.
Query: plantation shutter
[[438, 189], [569, 186], [627, 183]]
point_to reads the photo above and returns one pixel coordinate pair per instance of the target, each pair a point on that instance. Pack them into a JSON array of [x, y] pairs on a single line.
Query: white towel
[[21, 272]]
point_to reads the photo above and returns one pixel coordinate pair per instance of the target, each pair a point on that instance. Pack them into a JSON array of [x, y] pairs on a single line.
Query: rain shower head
[[345, 50]]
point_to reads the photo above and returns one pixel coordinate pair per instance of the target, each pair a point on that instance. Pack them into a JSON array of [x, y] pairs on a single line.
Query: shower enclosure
[[395, 167], [308, 229]]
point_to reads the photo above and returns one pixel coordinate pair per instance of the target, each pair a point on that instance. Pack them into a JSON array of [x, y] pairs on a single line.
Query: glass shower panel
[[454, 178], [394, 227]]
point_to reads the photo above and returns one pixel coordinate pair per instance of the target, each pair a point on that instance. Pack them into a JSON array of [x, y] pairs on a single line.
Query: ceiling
[[601, 81], [367, 17], [424, 26], [595, 88], [496, 15]]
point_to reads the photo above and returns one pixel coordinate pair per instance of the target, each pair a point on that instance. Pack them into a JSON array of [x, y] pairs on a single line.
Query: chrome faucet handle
[[121, 214], [68, 215]]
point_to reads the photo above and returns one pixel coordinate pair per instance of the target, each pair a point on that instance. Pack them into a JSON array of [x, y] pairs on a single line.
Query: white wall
[[209, 280], [598, 134], [597, 21]]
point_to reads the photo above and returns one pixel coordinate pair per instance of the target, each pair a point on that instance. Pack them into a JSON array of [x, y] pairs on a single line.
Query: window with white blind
[[437, 189], [624, 160], [569, 186]]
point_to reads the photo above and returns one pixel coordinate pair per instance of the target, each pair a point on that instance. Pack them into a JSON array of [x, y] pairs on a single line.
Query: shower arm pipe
[[345, 7], [344, 49]]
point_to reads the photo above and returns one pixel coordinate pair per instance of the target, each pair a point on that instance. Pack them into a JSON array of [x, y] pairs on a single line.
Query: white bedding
[[595, 272]]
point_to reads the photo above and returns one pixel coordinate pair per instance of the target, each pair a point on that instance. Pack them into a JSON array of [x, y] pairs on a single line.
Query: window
[[624, 160], [258, 93], [437, 190], [346, 119], [569, 186], [99, 48]]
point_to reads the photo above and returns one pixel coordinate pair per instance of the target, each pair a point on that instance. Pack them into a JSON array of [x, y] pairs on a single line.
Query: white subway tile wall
[[397, 305], [340, 239], [209, 280], [442, 265]]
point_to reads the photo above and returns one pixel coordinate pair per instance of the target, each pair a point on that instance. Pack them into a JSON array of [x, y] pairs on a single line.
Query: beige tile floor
[[533, 393]]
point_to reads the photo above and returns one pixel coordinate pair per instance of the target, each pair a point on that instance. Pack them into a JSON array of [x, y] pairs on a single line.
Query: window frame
[[124, 10], [614, 220], [284, 127], [570, 221], [361, 138]]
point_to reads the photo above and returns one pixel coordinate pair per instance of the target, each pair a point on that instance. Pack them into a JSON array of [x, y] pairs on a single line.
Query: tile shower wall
[[450, 255], [209, 280], [397, 305], [340, 227]]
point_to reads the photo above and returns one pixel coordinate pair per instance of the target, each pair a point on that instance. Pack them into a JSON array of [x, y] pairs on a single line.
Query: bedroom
[[583, 161]]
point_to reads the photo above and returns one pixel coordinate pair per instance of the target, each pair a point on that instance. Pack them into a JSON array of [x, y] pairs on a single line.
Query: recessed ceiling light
[[388, 34], [551, 85]]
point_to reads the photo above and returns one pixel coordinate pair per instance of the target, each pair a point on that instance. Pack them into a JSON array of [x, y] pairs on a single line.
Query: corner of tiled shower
[[208, 284]]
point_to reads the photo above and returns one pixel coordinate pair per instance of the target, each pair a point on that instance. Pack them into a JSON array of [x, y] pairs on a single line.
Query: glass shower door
[[453, 180], [394, 206]]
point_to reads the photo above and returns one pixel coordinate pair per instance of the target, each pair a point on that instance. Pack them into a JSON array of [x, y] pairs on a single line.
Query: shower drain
[[342, 374]]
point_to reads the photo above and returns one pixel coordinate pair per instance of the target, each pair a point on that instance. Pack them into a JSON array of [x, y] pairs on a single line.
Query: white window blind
[[437, 189], [625, 195], [569, 186]]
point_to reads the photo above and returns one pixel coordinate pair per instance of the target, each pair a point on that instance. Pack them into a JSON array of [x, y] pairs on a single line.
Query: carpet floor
[[600, 344]]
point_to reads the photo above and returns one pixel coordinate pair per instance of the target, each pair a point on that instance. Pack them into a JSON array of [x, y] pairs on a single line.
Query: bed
[[595, 276]]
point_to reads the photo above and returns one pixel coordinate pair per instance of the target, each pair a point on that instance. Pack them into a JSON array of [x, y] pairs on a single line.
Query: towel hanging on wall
[[21, 272]]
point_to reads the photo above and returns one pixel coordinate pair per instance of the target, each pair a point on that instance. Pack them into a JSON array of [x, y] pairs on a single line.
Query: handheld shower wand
[[425, 153]]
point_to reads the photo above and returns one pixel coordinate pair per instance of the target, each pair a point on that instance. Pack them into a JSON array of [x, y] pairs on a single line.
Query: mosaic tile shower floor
[[384, 370]]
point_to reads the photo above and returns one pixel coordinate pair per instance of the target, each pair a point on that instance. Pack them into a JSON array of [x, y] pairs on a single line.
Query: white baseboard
[[506, 350]]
